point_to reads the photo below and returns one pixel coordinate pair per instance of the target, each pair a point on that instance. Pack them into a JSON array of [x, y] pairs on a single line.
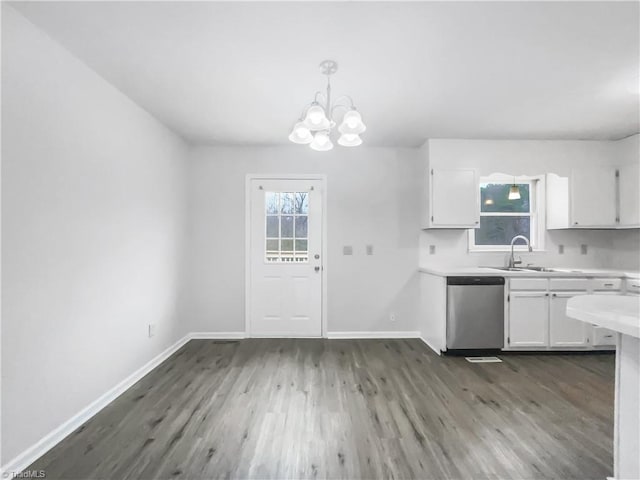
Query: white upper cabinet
[[629, 184], [593, 197], [453, 199]]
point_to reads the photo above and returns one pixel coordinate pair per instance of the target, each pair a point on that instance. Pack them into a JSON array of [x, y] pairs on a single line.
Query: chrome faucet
[[512, 262]]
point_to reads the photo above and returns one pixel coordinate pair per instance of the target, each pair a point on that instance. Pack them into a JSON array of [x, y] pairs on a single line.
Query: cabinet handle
[[575, 223], [608, 284], [546, 294], [477, 223], [554, 295]]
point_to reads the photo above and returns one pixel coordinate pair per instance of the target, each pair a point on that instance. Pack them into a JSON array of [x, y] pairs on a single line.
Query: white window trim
[[538, 219]]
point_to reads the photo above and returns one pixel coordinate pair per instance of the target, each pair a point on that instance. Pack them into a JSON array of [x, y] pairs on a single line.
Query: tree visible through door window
[[286, 215], [502, 218]]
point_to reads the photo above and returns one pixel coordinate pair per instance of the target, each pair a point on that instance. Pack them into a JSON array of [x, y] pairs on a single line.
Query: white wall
[[606, 248], [93, 222], [373, 196]]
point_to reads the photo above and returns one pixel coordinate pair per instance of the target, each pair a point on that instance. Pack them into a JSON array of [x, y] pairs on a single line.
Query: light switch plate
[[560, 249], [152, 329], [347, 250], [583, 249], [432, 249], [369, 249]]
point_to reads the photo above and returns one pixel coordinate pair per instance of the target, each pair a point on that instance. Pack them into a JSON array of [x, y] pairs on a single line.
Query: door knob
[[317, 269], [316, 256]]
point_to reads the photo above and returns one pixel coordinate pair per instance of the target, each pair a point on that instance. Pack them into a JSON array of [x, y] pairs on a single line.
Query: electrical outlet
[[583, 249], [392, 317], [152, 329], [560, 249], [432, 249], [369, 249], [347, 250]]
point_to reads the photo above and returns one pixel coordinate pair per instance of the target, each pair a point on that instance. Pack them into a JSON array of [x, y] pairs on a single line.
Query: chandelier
[[316, 123]]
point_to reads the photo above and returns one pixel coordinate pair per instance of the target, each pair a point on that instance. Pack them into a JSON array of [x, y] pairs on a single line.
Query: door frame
[[247, 240]]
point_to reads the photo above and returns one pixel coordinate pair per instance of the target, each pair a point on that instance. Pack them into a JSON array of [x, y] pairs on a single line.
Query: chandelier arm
[[305, 110], [339, 105], [328, 108], [319, 94], [351, 104]]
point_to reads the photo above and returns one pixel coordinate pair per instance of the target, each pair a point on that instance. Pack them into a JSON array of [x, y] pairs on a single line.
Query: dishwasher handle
[[475, 280]]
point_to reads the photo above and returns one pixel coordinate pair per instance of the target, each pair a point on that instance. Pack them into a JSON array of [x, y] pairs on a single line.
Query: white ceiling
[[240, 73]]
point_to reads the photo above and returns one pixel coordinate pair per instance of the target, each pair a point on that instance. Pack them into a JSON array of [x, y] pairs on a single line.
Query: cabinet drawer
[[528, 283], [603, 336], [606, 283], [568, 284], [633, 285]]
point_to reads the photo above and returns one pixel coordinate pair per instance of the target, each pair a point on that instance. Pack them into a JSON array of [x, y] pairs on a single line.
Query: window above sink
[[502, 218]]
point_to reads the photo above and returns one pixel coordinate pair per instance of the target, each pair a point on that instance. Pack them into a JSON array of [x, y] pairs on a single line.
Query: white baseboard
[[46, 443], [362, 335], [217, 335], [426, 342]]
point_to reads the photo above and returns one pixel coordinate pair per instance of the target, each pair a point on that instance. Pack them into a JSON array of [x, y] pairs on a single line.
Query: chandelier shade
[[317, 122], [316, 119], [321, 142], [301, 134], [352, 123], [350, 140]]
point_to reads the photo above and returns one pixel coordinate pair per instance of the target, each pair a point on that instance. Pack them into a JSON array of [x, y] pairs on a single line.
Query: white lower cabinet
[[528, 319], [536, 316], [565, 331]]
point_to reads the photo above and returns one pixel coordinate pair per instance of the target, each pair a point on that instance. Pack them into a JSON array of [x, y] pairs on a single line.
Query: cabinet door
[[455, 198], [593, 197], [566, 331], [528, 319], [629, 196]]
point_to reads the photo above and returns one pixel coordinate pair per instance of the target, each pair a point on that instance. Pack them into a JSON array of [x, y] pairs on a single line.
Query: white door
[[528, 319], [565, 331], [285, 258], [593, 197]]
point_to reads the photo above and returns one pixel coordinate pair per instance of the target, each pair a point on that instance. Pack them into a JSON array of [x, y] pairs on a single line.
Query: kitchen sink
[[507, 269], [524, 269]]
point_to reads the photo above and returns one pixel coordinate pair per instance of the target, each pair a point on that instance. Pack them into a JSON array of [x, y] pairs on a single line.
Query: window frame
[[536, 214]]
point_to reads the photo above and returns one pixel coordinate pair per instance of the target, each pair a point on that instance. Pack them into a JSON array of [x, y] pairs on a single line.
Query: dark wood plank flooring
[[303, 408]]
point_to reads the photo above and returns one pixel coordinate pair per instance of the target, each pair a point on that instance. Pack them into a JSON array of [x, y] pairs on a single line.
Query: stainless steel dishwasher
[[475, 313]]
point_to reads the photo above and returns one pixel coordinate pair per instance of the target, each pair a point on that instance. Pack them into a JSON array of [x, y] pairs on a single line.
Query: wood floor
[[302, 408]]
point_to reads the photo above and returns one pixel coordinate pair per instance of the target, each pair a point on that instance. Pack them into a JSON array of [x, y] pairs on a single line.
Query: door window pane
[[287, 247], [286, 218], [287, 226], [273, 226], [301, 226], [271, 202], [287, 202], [302, 203]]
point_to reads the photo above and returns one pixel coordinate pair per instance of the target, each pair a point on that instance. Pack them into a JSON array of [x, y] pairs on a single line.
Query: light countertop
[[619, 313], [560, 272]]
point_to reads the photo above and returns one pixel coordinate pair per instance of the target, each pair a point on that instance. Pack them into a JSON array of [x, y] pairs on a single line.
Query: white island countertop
[[619, 313]]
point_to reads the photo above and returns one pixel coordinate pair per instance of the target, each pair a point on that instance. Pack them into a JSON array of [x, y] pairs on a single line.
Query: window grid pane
[[494, 197], [286, 219], [500, 230]]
